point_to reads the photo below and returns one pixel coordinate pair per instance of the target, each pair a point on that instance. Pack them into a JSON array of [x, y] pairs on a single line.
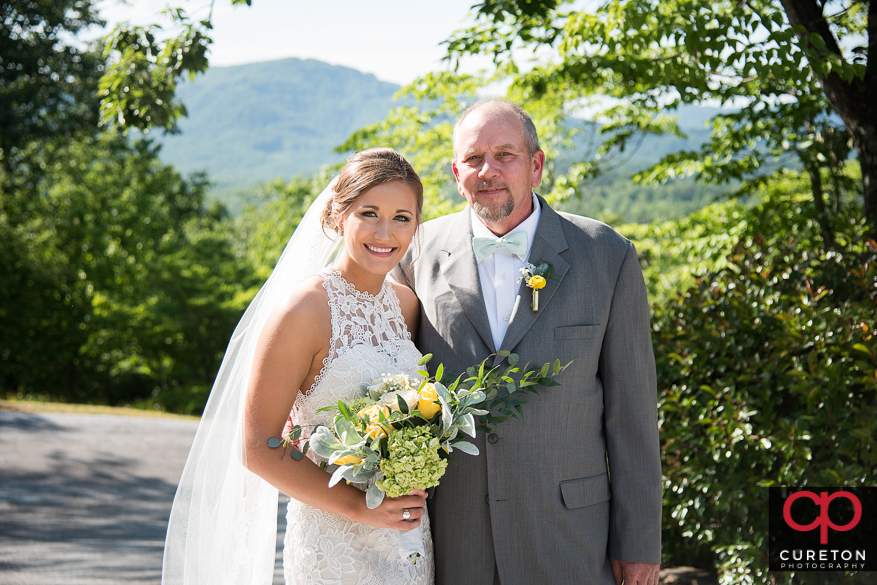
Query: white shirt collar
[[529, 225]]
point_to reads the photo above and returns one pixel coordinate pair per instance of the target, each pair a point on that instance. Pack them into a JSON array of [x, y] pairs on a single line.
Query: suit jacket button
[[492, 438], [487, 499]]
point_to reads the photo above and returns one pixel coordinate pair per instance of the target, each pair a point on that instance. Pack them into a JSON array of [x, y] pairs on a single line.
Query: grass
[[21, 405]]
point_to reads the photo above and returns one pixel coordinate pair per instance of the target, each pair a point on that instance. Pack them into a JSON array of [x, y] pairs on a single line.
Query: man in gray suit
[[571, 493]]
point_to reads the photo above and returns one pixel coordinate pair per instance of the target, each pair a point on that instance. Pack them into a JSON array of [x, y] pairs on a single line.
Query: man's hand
[[634, 573]]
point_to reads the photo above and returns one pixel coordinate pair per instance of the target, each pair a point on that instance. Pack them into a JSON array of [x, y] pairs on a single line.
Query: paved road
[[85, 498]]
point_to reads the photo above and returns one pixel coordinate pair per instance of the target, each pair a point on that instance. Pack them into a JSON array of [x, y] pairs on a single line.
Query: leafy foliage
[[117, 284], [674, 253], [268, 219], [145, 63], [47, 83], [616, 200], [767, 371]]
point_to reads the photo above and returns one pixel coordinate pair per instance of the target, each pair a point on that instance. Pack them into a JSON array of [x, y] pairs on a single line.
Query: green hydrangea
[[413, 462]]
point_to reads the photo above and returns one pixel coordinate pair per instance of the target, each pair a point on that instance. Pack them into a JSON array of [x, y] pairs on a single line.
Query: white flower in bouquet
[[391, 399], [389, 383]]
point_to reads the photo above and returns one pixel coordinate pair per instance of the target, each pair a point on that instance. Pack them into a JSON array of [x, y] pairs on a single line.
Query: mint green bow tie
[[515, 243]]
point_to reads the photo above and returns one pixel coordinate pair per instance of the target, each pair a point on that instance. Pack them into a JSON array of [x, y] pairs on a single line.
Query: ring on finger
[[406, 514]]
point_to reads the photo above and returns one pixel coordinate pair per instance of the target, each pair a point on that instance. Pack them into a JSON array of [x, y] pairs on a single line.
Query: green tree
[[766, 368], [47, 85], [120, 286], [270, 216], [145, 64]]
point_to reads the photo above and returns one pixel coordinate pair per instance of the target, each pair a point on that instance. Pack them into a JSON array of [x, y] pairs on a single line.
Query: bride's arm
[[289, 353]]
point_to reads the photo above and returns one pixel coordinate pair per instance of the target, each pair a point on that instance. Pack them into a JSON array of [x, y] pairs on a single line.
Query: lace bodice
[[369, 338]]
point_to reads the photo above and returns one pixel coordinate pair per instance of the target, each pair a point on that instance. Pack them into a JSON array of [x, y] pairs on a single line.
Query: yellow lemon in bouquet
[[374, 429], [428, 403]]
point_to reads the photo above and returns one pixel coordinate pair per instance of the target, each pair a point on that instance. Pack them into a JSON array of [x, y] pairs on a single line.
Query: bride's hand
[[391, 512]]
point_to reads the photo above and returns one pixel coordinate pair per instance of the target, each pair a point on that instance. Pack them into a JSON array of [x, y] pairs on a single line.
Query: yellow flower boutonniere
[[536, 277]]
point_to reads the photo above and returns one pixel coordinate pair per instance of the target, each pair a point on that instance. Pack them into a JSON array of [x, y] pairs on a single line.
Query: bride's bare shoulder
[[305, 311], [407, 298]]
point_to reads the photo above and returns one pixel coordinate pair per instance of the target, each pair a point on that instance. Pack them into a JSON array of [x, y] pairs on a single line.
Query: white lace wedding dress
[[369, 338]]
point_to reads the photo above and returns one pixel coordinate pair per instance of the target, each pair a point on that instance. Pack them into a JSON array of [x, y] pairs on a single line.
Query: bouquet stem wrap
[[411, 545]]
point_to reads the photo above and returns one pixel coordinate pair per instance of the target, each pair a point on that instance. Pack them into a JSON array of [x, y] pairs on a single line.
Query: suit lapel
[[461, 273], [547, 244]]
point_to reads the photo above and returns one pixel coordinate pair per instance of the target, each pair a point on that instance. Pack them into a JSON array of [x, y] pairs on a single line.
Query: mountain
[[253, 123], [256, 122]]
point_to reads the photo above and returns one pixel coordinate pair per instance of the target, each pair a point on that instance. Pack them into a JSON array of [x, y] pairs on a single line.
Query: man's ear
[[538, 166], [457, 177]]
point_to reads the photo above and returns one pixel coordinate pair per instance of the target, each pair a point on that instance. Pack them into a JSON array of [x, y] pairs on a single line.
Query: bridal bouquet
[[399, 433]]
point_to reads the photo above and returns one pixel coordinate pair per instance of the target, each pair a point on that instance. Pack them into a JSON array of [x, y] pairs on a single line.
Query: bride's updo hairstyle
[[364, 170]]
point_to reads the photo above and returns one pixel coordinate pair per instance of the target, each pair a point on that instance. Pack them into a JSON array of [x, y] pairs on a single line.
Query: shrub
[[767, 375]]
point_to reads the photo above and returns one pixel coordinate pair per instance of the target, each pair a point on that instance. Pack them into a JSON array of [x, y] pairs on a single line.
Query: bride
[[311, 337]]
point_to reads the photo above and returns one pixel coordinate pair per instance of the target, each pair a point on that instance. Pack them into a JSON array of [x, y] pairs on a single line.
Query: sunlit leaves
[[48, 86], [766, 377], [138, 89]]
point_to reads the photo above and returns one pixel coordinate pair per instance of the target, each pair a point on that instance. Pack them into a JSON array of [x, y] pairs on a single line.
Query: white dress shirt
[[499, 274]]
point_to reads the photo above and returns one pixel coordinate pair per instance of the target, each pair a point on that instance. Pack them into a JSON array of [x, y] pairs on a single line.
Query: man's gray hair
[[531, 138]]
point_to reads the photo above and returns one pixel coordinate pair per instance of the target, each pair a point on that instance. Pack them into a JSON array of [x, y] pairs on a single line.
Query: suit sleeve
[[627, 371]]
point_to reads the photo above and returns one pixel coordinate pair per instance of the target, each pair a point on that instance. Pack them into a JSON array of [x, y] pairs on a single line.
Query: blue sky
[[396, 40]]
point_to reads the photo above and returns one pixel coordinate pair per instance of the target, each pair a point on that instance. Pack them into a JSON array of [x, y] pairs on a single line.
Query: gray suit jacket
[[538, 502]]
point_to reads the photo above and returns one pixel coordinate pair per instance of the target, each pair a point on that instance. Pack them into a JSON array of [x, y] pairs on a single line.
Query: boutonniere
[[536, 277]]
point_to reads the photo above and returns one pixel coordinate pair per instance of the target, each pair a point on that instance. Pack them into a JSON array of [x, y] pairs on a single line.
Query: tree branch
[[871, 67]]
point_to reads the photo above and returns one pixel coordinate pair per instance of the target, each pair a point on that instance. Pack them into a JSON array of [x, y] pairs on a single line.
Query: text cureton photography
[[822, 528]]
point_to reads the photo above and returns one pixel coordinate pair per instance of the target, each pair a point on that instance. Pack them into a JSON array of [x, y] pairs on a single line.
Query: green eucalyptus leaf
[[274, 442], [359, 474], [443, 394], [338, 475], [466, 447], [477, 397], [403, 406], [344, 410], [373, 496], [468, 425], [324, 442]]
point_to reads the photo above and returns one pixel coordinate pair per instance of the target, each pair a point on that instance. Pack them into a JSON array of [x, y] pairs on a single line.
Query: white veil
[[223, 524]]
